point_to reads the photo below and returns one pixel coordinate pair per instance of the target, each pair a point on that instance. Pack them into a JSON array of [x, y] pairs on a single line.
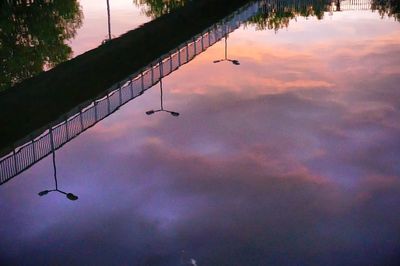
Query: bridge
[[80, 119], [349, 5], [34, 148], [327, 5]]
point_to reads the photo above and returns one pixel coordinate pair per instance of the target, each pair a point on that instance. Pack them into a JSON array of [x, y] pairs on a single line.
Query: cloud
[[290, 163]]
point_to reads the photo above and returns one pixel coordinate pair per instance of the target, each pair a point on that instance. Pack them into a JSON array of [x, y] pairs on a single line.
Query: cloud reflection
[[252, 173]]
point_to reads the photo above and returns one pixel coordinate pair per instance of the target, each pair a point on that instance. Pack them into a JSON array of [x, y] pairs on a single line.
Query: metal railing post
[[152, 75], [142, 80], [66, 129], [108, 104], [131, 87], [95, 111], [81, 118], [15, 161], [120, 94], [33, 148]]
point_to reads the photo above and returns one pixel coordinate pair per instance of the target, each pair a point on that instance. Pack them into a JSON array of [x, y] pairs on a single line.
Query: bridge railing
[[330, 5], [81, 118], [348, 5]]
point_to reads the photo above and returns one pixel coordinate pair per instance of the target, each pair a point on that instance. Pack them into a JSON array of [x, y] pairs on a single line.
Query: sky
[[290, 158]]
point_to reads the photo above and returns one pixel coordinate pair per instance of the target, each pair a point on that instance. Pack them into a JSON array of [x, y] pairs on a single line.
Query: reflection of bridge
[[327, 5], [80, 119], [347, 5], [38, 146]]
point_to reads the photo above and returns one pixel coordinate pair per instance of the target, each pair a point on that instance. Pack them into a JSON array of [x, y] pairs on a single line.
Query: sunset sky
[[293, 153]]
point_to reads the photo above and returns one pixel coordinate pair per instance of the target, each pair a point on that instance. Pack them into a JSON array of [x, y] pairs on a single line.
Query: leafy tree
[[391, 8], [157, 8], [277, 14], [33, 35]]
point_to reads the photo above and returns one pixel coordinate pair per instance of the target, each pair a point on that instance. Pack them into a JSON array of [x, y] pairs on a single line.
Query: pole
[[55, 169], [109, 20], [226, 47], [54, 157], [161, 90]]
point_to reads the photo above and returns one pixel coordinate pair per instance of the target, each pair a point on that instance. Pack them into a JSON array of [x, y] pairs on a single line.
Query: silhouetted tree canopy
[[33, 35], [390, 8], [157, 8], [277, 14]]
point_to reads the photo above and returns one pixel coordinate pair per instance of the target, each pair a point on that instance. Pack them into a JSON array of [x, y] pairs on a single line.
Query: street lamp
[[109, 24], [69, 196], [233, 61], [150, 112]]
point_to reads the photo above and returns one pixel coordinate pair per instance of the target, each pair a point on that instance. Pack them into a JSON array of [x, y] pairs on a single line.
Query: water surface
[[290, 158], [35, 36]]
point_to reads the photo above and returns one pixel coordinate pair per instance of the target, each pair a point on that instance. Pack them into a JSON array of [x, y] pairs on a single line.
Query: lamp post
[[150, 112], [108, 23], [338, 5], [69, 196], [233, 61]]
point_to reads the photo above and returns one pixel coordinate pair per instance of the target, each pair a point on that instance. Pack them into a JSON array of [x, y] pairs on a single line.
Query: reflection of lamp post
[[234, 61], [150, 112], [338, 5], [109, 23], [70, 196]]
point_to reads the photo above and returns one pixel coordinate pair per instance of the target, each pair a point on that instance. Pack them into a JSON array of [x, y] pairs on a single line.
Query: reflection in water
[[390, 8], [157, 8], [150, 112], [81, 118], [33, 35], [69, 196], [108, 21], [294, 161], [276, 14], [233, 61]]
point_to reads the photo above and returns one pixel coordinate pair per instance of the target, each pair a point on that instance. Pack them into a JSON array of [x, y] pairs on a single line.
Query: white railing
[[330, 5], [81, 118], [348, 5]]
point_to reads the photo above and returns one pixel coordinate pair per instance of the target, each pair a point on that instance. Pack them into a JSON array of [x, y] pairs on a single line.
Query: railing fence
[[80, 119]]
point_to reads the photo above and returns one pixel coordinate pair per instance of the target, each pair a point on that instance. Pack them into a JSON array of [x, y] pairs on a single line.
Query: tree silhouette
[[277, 14], [157, 8], [33, 35], [391, 8]]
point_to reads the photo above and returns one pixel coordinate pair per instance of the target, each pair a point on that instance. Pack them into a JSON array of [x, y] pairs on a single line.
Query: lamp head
[[174, 113], [42, 193], [150, 112], [71, 196]]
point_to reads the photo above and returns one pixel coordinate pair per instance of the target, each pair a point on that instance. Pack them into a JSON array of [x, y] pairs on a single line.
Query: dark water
[[290, 158]]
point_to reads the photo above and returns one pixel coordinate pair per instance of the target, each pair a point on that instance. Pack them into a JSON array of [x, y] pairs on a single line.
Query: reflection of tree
[[157, 8], [387, 7], [272, 19], [276, 14], [32, 35]]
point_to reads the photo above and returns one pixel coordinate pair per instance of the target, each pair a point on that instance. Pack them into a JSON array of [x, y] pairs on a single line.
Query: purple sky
[[290, 158]]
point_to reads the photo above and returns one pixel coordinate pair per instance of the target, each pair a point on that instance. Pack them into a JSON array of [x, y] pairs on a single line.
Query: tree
[[277, 14], [33, 35], [157, 8], [391, 8]]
